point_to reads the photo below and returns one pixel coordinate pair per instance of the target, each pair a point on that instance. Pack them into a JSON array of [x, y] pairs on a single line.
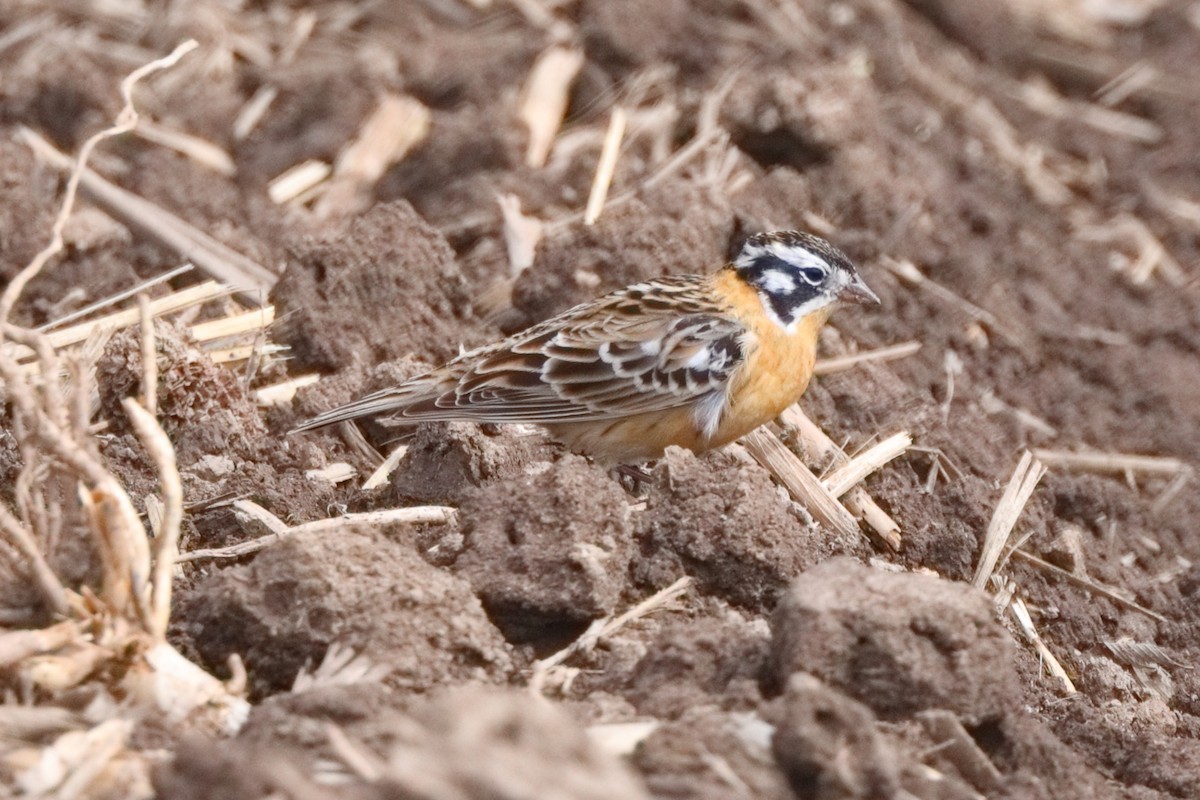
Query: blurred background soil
[[1019, 182]]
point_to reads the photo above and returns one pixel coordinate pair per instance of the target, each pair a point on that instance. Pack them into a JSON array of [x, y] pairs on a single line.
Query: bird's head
[[797, 274]]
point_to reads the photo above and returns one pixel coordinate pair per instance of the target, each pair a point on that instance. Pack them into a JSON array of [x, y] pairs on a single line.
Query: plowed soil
[[1059, 240]]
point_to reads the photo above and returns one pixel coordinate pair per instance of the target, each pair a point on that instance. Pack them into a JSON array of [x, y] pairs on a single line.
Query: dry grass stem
[[622, 739], [166, 544], [184, 298], [1094, 587], [203, 152], [909, 273], [341, 666], [960, 749], [127, 119], [278, 529], [251, 280], [283, 392], [804, 487], [995, 129], [297, 182], [818, 446], [992, 404], [828, 366], [1016, 494], [605, 627], [1125, 228], [1133, 80], [522, 234], [380, 476], [848, 475], [237, 324], [1020, 613], [1043, 99], [358, 759], [606, 167], [1170, 492], [1182, 208], [232, 355], [1114, 463], [544, 98], [149, 356], [54, 595], [112, 300], [18, 645], [253, 112], [398, 124], [337, 472]]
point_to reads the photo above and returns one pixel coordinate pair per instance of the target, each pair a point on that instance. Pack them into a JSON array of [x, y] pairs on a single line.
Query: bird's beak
[[858, 292]]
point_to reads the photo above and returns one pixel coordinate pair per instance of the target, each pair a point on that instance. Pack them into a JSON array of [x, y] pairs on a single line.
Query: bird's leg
[[632, 478]]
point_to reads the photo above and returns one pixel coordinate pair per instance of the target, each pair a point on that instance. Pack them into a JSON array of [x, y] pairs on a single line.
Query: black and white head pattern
[[795, 273]]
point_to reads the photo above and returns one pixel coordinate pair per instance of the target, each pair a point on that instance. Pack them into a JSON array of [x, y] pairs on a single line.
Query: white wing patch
[[702, 359], [708, 412]]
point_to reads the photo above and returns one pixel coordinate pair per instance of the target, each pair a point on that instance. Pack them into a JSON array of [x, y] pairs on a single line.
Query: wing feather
[[655, 346]]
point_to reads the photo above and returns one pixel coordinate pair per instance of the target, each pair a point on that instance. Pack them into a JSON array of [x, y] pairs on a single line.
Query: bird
[[696, 361]]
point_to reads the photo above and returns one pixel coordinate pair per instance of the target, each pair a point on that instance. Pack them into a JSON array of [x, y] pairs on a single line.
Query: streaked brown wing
[[650, 347]]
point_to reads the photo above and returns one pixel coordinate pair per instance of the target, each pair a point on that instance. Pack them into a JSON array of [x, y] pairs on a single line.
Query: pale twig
[[166, 544], [1025, 622], [253, 111], [357, 758], [828, 366], [254, 320], [298, 182], [991, 404], [116, 298], [184, 298], [1090, 585], [544, 98], [51, 588], [283, 392], [250, 280], [149, 357], [605, 627], [606, 167], [280, 530], [1016, 494], [521, 234], [908, 272], [202, 151], [397, 125], [805, 487], [848, 475], [1043, 99], [960, 749], [818, 445], [126, 121], [380, 476], [1117, 463]]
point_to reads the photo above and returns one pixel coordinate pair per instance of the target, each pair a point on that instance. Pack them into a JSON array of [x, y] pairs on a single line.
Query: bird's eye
[[813, 275]]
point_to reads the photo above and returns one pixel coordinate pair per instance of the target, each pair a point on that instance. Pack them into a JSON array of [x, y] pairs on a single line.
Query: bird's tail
[[388, 401]]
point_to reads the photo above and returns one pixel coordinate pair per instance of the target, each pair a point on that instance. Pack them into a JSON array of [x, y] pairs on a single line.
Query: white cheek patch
[[778, 282]]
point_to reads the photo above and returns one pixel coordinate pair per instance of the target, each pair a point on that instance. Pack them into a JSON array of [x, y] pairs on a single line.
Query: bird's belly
[[773, 379], [633, 439], [777, 372]]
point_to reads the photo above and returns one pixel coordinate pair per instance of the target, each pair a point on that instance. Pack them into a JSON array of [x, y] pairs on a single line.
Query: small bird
[[695, 361]]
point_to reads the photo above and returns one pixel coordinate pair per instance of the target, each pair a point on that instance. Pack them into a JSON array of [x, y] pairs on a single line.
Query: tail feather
[[394, 400]]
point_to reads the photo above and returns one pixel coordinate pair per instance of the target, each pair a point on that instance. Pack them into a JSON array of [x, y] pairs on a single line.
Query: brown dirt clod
[[898, 642]]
